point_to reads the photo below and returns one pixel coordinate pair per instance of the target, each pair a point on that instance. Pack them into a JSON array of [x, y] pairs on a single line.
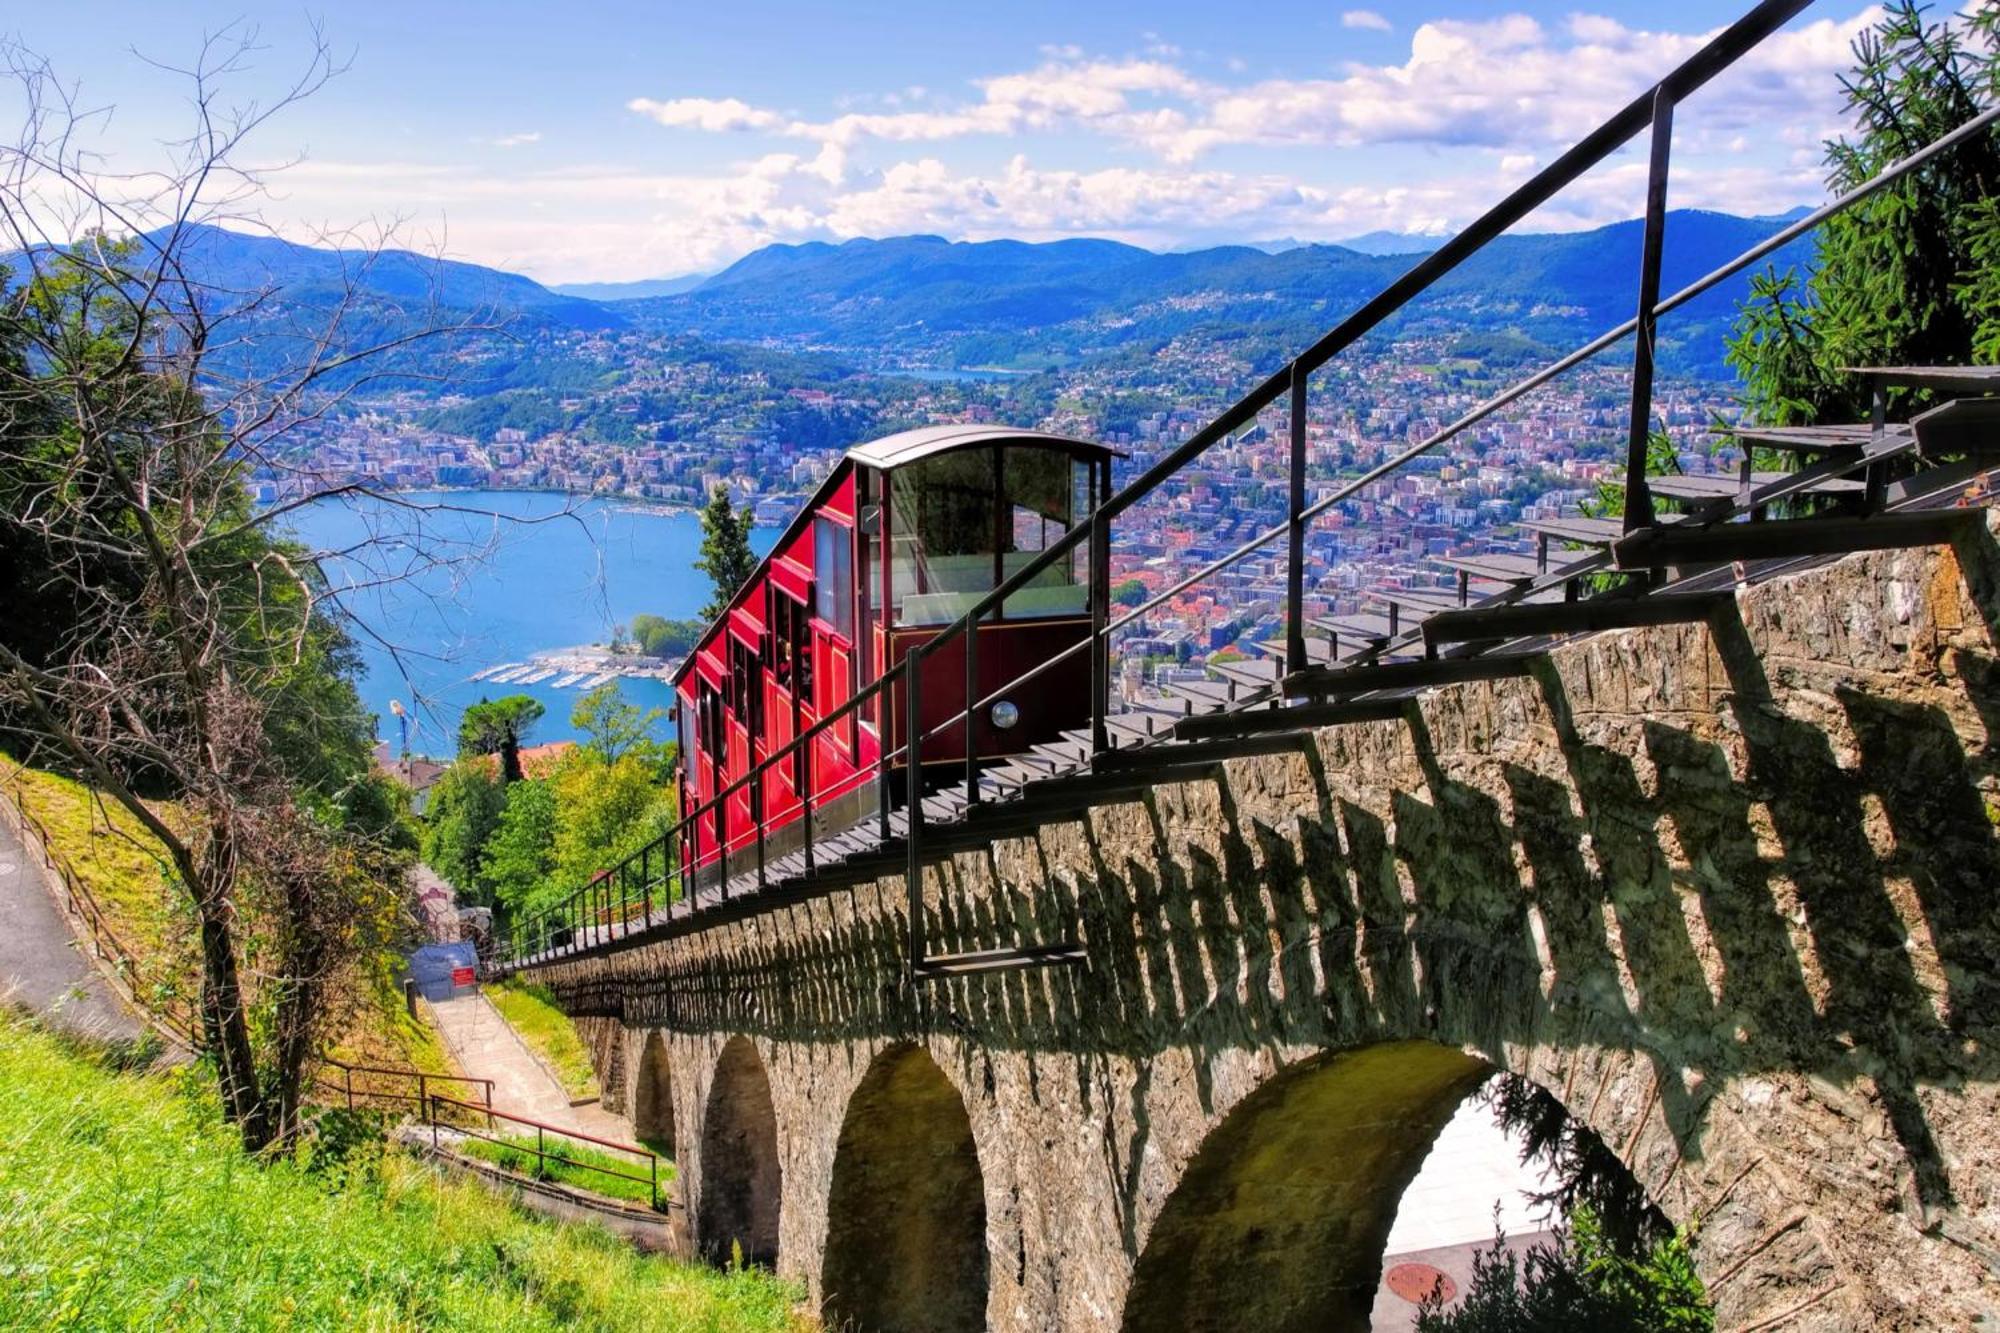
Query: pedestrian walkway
[[484, 1045], [42, 967]]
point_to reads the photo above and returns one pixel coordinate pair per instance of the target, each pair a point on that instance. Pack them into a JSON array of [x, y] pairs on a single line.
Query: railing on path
[[439, 1105], [411, 1087], [647, 890]]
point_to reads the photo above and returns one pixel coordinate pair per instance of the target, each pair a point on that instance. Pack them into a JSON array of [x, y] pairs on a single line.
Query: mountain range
[[923, 300]]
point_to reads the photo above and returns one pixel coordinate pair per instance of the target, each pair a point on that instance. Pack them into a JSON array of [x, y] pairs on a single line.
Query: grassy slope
[[532, 1012], [124, 1204], [126, 873], [621, 1176]]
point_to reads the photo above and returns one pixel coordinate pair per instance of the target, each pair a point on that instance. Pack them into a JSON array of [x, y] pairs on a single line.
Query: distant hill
[[238, 267], [1016, 303], [631, 291], [1393, 243]]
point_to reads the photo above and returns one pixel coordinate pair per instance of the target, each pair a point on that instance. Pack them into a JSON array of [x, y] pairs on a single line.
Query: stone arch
[[740, 1182], [906, 1217], [1279, 1221], [653, 1095]]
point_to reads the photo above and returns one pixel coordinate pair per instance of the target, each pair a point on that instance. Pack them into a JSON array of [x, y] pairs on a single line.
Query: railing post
[[1295, 564], [757, 800], [722, 844], [646, 884], [971, 712], [1638, 497], [913, 804], [1100, 640], [885, 712]]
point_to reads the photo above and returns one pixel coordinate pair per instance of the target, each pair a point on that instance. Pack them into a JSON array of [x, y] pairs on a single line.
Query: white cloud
[[1145, 149], [518, 140], [1506, 82], [1365, 18], [706, 113]]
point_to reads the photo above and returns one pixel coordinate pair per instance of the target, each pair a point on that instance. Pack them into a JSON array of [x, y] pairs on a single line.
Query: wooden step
[[1815, 439], [1500, 567], [1944, 379], [1421, 600], [1715, 486], [1585, 531]]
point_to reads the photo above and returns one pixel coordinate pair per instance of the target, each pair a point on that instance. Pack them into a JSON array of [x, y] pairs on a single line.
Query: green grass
[[125, 1204], [516, 1152], [115, 856], [531, 1011]]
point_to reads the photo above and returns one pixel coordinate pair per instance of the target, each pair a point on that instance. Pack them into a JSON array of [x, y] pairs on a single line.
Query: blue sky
[[594, 141]]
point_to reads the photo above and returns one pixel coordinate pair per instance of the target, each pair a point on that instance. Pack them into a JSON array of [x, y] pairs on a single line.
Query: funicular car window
[[833, 576]]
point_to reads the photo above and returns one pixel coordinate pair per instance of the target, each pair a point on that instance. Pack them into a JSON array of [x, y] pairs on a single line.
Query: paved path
[[486, 1047], [42, 967]]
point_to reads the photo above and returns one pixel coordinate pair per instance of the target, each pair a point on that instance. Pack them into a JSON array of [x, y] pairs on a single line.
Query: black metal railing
[[603, 911], [462, 1119]]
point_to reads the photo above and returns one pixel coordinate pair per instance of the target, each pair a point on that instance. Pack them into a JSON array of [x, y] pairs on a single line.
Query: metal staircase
[[1677, 553]]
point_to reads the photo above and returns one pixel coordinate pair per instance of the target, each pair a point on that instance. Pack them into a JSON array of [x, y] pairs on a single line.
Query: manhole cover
[[1417, 1282]]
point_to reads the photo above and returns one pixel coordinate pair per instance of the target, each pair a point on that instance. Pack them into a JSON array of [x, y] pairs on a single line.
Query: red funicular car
[[905, 536]]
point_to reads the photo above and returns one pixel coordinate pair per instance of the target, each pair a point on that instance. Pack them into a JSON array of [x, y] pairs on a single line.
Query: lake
[[530, 572]]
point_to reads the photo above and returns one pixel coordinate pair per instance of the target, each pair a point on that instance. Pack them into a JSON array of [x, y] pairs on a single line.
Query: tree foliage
[[160, 635], [613, 727], [518, 859], [607, 809], [726, 556], [463, 810], [1908, 276], [658, 637], [1581, 1281], [500, 726]]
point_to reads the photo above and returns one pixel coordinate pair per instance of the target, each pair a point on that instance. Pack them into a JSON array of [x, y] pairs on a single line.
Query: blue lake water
[[551, 572]]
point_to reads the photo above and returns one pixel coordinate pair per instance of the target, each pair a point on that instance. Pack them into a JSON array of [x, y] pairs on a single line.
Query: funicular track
[[1681, 547]]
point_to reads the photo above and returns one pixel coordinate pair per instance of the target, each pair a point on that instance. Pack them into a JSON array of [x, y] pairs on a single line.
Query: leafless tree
[[174, 639]]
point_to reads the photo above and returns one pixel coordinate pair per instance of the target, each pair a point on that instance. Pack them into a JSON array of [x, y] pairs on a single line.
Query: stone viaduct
[[1728, 890]]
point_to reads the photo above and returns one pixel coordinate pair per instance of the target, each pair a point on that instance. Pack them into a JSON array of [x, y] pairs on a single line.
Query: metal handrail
[[1653, 107], [565, 916], [542, 1153], [423, 1079]]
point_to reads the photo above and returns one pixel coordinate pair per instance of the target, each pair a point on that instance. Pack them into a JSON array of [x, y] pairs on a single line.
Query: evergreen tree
[[499, 726], [725, 551], [1910, 276]]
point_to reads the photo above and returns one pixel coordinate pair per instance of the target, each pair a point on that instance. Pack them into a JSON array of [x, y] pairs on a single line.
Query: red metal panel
[[793, 578]]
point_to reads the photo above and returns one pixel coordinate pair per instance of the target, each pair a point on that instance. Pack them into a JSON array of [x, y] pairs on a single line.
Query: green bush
[[1579, 1282]]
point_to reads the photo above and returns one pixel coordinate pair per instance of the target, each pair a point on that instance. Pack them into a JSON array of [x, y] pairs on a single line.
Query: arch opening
[[1279, 1223], [653, 1099], [740, 1179], [906, 1244]]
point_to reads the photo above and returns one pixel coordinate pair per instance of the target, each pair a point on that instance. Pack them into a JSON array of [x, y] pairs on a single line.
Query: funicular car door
[[786, 643], [745, 711], [832, 652]]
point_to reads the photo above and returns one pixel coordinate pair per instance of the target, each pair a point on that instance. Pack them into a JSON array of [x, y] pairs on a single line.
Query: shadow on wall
[[906, 1218], [740, 1185], [652, 1098]]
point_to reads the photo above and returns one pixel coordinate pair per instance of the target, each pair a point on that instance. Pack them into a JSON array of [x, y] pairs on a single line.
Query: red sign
[[464, 976]]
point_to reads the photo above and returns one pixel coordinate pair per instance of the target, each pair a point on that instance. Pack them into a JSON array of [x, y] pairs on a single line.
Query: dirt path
[[42, 967], [486, 1047]]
